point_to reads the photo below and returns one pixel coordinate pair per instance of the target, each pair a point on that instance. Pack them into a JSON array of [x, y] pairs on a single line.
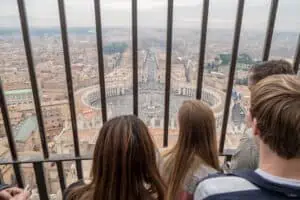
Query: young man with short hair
[[246, 156], [275, 119]]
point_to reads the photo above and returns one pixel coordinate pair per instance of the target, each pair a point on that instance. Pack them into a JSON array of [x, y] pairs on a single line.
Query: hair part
[[124, 164], [196, 145], [275, 103]]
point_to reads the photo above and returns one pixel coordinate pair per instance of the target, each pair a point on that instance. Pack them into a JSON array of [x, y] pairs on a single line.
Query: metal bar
[[7, 162], [270, 29], [202, 48], [18, 175], [10, 137], [235, 48], [1, 178], [297, 57], [61, 176], [40, 180], [168, 70], [33, 80], [134, 56], [100, 58], [9, 133], [65, 43]]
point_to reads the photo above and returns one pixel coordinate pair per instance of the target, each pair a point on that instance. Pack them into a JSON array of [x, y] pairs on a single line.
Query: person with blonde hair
[[124, 165], [275, 121], [195, 154]]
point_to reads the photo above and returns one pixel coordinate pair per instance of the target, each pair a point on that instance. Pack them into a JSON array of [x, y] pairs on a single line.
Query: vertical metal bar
[[168, 69], [297, 57], [235, 48], [202, 48], [18, 175], [40, 180], [134, 56], [10, 137], [33, 80], [1, 178], [100, 58], [61, 175], [65, 43], [270, 29]]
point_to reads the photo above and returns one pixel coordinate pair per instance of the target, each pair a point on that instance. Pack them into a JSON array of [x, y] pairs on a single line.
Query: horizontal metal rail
[[50, 160]]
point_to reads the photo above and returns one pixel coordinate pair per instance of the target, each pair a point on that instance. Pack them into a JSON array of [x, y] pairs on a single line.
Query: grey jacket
[[246, 156]]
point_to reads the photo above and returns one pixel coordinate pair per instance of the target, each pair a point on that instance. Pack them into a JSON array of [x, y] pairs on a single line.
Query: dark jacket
[[246, 155], [245, 185]]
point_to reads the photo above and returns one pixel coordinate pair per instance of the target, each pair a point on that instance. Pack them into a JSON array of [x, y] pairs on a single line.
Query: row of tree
[[115, 47], [242, 59]]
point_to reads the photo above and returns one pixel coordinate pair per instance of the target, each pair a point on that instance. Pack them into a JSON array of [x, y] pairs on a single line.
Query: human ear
[[255, 130]]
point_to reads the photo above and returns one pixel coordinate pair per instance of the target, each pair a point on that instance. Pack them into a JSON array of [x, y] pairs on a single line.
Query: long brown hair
[[124, 164], [196, 145]]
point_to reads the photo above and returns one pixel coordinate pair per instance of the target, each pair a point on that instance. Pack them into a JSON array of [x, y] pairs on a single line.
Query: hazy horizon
[[153, 14]]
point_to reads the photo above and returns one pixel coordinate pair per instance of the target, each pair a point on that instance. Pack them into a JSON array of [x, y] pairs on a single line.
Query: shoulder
[[165, 160], [197, 176], [221, 184], [246, 155], [202, 172]]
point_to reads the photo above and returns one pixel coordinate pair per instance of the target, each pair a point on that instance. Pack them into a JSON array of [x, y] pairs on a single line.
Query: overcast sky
[[152, 13]]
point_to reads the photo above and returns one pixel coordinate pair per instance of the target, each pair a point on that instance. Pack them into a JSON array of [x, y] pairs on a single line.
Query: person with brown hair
[[275, 121], [124, 165], [195, 154], [246, 156]]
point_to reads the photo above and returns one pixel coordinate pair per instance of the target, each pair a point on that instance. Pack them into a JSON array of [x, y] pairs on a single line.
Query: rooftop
[[25, 130]]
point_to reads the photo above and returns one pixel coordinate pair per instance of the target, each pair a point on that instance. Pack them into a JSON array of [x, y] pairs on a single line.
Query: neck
[[271, 163]]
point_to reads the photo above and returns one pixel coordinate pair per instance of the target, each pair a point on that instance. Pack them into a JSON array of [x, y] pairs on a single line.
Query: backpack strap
[[263, 184]]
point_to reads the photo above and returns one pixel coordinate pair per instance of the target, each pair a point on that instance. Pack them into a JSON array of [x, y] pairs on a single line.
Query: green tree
[[115, 47]]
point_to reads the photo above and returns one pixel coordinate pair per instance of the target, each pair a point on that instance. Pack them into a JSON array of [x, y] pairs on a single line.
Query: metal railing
[[38, 164]]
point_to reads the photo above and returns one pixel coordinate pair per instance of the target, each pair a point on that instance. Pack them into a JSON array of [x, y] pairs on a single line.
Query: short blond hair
[[275, 103]]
